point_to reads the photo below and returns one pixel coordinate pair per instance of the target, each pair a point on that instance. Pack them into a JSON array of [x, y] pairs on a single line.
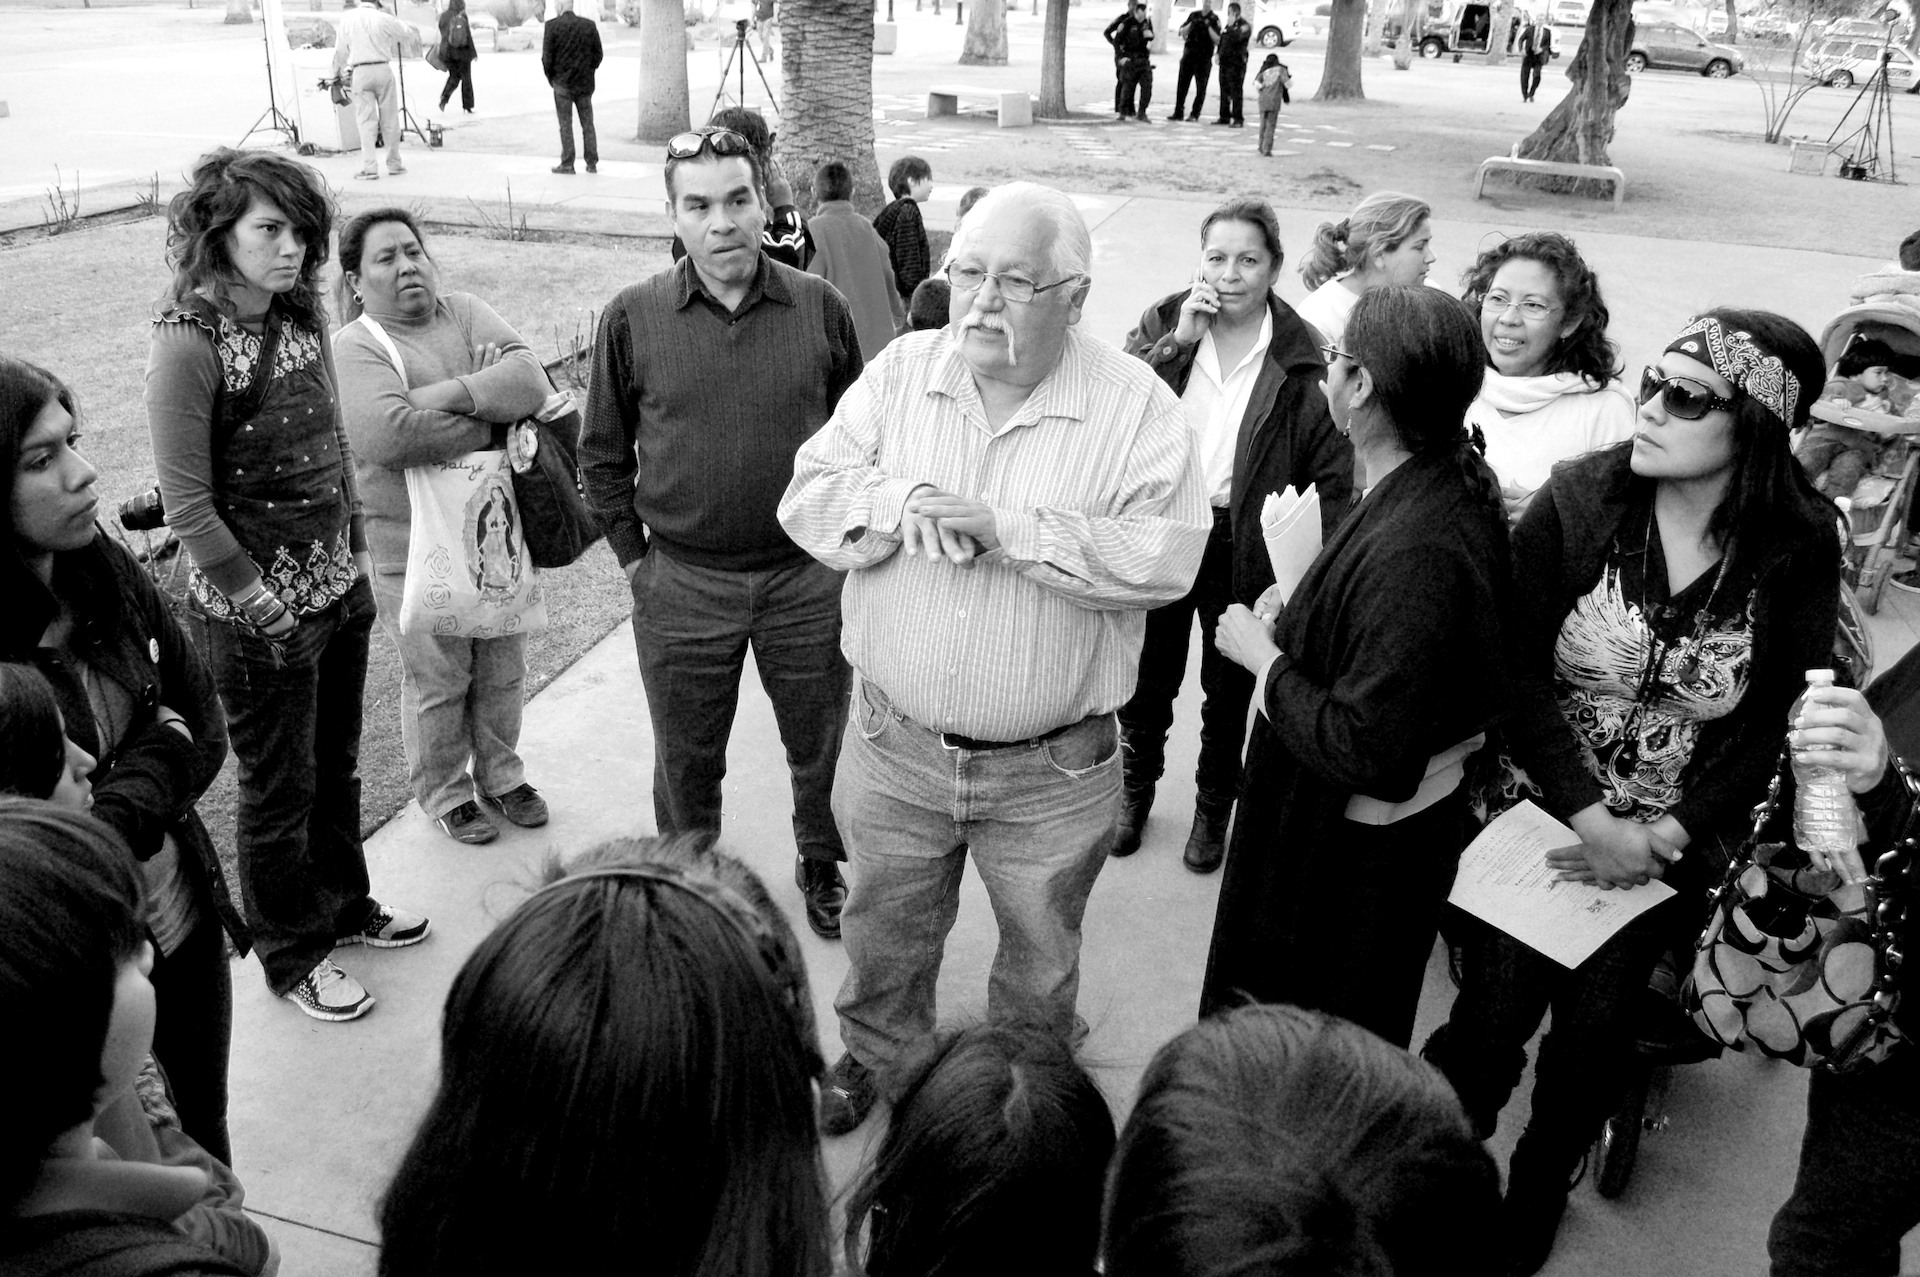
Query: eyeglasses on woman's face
[[1013, 287], [1331, 352], [1535, 312], [1680, 397]]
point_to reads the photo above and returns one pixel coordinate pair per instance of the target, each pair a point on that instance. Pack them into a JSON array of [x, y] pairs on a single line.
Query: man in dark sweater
[[707, 378], [569, 54], [1197, 34]]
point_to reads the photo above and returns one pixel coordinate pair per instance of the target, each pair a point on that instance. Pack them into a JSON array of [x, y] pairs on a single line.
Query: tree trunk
[[1733, 24], [1161, 11], [1579, 129], [1376, 34], [826, 57], [1497, 34], [664, 107], [1340, 74], [239, 11], [986, 44], [1053, 63]]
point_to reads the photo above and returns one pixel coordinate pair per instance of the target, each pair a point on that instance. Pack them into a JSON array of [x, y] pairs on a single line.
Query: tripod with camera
[[1874, 133], [744, 57]]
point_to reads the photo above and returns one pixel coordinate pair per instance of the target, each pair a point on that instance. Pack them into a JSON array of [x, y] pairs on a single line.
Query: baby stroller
[[1859, 449]]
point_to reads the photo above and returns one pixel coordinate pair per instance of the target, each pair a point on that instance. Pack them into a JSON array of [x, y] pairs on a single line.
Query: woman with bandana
[[1669, 595]]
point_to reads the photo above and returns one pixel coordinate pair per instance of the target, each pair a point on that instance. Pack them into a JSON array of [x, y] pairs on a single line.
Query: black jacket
[[1789, 566], [1287, 438], [146, 783], [1130, 37], [456, 37], [1198, 33], [570, 53], [1234, 38]]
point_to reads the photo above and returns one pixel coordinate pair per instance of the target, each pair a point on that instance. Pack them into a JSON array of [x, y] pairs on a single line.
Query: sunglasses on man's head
[[722, 142], [1681, 397]]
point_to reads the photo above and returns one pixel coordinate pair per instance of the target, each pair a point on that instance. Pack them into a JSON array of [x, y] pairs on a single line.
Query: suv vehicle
[[1669, 45], [1848, 61], [1275, 26]]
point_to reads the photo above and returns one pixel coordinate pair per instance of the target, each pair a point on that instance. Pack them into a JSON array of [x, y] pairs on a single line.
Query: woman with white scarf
[[1553, 388]]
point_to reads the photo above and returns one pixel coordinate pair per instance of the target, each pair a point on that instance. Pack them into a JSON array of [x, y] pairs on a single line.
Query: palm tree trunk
[[986, 44], [1053, 63], [826, 56], [1340, 74], [664, 108], [1579, 129], [1733, 24]]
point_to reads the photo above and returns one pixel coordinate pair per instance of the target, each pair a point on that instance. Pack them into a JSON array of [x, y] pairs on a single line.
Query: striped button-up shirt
[[1100, 511]]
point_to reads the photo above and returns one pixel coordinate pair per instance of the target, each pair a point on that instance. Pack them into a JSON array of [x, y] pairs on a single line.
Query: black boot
[[825, 893], [1135, 803], [1207, 844], [1539, 1181]]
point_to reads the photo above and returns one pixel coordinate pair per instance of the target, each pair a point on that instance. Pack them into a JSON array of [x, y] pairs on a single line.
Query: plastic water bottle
[[1826, 823]]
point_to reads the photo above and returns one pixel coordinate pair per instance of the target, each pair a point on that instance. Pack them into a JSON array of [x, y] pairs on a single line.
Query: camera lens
[[143, 513]]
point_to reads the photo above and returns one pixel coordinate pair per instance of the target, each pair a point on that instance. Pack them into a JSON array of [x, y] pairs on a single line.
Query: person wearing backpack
[[1273, 83], [458, 51]]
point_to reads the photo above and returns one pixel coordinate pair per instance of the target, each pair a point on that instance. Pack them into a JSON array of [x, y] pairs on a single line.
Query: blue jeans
[[691, 630], [293, 716], [460, 702], [1037, 819], [1858, 1190]]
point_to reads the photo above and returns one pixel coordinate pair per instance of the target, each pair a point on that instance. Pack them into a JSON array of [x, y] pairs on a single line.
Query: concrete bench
[[1512, 163], [1014, 106]]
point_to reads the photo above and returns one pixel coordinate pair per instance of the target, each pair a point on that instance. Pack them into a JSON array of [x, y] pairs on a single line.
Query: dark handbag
[[546, 485], [1794, 964]]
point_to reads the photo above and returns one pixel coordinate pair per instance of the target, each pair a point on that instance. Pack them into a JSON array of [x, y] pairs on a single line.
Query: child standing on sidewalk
[[1273, 81]]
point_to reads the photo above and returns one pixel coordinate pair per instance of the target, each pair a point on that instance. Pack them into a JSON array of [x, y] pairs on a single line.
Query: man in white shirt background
[[369, 40]]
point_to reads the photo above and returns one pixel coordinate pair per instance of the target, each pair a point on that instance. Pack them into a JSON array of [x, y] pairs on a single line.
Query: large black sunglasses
[[723, 142], [1681, 397]]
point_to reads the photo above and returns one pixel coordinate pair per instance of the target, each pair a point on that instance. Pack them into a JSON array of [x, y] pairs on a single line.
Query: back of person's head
[[1586, 350], [993, 1161], [1423, 351], [749, 124], [1910, 252], [973, 196], [627, 1068], [33, 743], [1273, 1141], [907, 170], [932, 298], [71, 916], [224, 184], [1379, 224], [832, 181]]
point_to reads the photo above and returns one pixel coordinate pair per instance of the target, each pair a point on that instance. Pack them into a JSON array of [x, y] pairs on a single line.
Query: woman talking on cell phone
[[258, 485]]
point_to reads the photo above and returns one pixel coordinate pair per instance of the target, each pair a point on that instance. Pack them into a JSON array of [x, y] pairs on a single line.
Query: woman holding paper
[[467, 375], [1553, 379], [1377, 680], [1669, 595], [1247, 371]]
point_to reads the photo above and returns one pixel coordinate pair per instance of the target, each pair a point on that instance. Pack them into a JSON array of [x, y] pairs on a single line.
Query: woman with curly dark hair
[[1553, 378], [258, 485]]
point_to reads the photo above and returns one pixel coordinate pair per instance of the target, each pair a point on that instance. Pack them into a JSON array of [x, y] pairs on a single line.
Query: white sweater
[[1546, 420], [1327, 308]]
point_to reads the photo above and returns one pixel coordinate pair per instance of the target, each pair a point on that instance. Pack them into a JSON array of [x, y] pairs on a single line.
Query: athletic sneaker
[[389, 928], [328, 993]]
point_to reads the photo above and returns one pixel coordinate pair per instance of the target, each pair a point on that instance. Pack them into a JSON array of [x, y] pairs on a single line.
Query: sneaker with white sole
[[328, 993], [389, 928]]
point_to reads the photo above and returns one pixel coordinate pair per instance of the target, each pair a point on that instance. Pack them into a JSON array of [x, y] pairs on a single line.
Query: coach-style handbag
[[1798, 966]]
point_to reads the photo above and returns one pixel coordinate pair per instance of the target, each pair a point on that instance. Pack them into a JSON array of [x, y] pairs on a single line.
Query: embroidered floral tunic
[[256, 478]]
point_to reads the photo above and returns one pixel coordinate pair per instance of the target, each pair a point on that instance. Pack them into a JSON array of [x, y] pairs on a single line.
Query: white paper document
[[1504, 879], [1290, 524]]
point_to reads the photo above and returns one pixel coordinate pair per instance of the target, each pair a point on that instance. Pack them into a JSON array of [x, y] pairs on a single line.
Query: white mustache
[[991, 321]]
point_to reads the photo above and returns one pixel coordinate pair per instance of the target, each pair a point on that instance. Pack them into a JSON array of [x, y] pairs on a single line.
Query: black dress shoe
[[1134, 806], [847, 1095], [826, 894], [1529, 1221], [1207, 844]]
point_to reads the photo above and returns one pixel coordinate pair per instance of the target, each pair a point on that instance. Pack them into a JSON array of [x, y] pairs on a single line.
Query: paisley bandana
[[1735, 356]]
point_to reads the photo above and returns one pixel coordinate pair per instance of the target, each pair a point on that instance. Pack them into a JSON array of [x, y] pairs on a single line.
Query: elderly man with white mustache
[[1008, 497]]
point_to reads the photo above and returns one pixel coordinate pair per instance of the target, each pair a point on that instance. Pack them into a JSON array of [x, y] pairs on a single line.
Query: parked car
[[1859, 27], [1670, 46], [1846, 62], [1467, 33], [1569, 13], [1275, 26]]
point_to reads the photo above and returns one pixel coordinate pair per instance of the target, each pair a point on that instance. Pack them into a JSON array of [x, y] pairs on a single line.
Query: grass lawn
[[98, 286]]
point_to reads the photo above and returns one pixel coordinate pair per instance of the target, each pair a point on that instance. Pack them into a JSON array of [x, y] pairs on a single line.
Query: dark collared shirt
[[696, 411]]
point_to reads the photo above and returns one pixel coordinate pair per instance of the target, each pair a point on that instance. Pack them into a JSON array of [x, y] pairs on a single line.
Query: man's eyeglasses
[[1500, 303], [1331, 352], [722, 142], [1681, 397], [1015, 288]]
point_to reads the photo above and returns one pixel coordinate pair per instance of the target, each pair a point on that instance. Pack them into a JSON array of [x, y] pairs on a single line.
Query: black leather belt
[[954, 740]]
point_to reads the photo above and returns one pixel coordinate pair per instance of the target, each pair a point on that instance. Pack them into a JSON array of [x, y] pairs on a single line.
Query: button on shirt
[[1215, 404], [1099, 510]]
